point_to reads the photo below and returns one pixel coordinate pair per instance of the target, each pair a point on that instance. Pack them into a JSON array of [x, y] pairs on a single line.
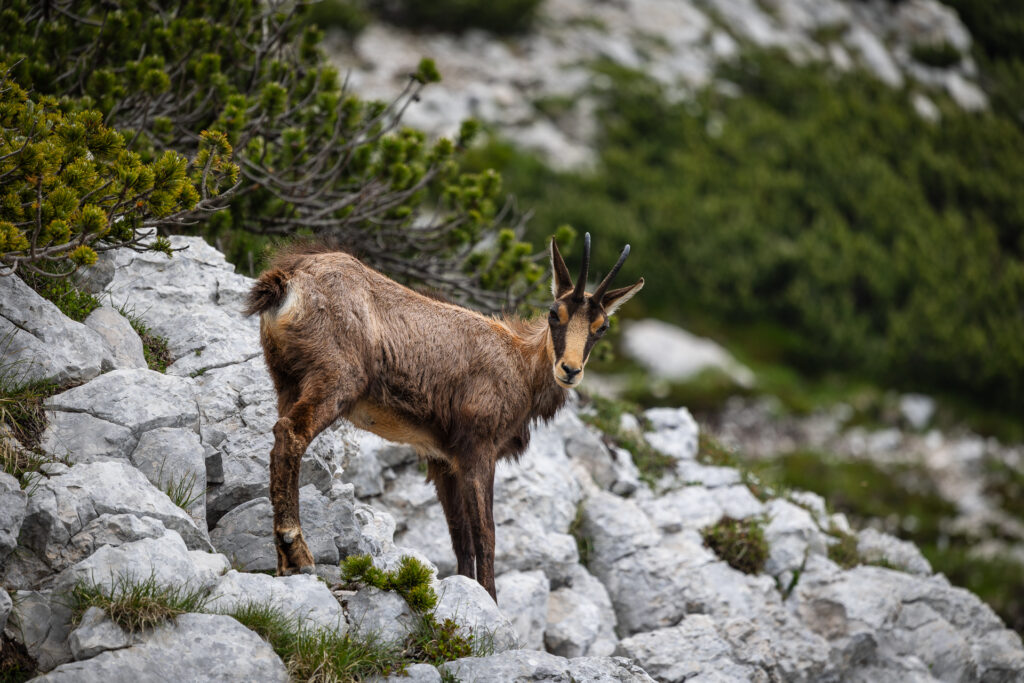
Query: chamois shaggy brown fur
[[342, 340]]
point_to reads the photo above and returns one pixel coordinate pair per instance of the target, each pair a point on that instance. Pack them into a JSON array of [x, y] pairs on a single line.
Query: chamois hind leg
[[477, 485], [308, 416], [459, 525]]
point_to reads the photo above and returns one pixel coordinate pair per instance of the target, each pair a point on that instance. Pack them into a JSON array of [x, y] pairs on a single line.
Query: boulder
[[137, 399], [692, 650], [205, 647], [580, 618], [13, 504], [5, 608], [674, 432], [43, 344], [881, 616], [164, 560], [671, 353], [62, 506], [301, 597], [415, 673], [122, 340], [523, 598], [467, 603], [96, 633], [245, 534], [875, 546], [382, 614], [41, 621], [194, 299], [791, 534], [528, 665], [174, 460]]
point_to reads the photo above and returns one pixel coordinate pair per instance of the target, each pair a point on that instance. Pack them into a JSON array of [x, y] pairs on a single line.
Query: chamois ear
[[615, 298], [561, 280]]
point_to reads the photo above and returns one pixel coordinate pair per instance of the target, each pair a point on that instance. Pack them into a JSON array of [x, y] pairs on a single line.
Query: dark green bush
[[497, 16], [941, 55], [818, 203], [206, 78]]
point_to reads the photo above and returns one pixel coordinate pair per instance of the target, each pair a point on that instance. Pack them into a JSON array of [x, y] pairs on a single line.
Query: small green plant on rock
[[318, 654], [584, 544], [16, 665], [136, 605], [740, 542]]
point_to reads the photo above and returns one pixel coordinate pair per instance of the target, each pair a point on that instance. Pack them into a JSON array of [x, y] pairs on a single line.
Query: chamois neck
[[548, 396]]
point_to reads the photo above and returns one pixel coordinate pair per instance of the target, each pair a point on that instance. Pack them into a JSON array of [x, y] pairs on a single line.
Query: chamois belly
[[390, 425]]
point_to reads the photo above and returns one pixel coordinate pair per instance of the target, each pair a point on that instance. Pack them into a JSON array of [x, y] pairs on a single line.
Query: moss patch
[[740, 542]]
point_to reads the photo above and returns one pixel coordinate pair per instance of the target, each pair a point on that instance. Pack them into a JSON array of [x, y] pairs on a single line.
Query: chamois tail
[[267, 293]]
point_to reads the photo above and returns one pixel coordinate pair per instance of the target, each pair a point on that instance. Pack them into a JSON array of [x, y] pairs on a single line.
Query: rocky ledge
[[163, 477]]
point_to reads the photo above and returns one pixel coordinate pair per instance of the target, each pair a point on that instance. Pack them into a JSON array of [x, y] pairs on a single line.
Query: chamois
[[342, 340]]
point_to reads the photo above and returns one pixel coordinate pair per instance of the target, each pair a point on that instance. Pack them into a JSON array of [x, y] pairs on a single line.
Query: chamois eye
[[601, 330], [553, 316]]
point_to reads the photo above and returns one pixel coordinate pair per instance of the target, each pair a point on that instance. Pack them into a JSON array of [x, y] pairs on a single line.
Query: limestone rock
[[43, 342], [96, 633], [529, 665], [122, 340], [671, 353], [164, 560], [137, 399], [13, 503], [62, 506], [523, 598], [174, 461], [416, 673], [791, 534], [5, 608], [302, 597], [693, 650], [194, 299], [205, 647], [246, 533], [874, 546], [464, 600], [383, 614], [41, 621], [580, 618]]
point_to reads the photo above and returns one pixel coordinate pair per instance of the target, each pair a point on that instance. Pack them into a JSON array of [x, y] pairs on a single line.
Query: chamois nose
[[570, 372]]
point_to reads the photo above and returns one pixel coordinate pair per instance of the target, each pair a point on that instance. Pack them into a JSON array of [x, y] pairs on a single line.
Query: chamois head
[[579, 318]]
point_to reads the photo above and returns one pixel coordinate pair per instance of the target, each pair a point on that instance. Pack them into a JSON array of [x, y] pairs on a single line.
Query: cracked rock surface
[[601, 577]]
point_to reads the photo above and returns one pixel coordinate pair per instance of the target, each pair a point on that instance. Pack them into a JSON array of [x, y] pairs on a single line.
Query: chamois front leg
[[292, 435], [456, 514], [477, 485]]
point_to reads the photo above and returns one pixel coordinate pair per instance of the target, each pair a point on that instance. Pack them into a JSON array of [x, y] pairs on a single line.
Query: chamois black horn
[[581, 284], [599, 292]]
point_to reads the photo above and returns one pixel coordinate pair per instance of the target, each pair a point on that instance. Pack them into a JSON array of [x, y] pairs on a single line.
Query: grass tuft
[[137, 605], [319, 654], [182, 490], [584, 544], [16, 665], [740, 543]]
